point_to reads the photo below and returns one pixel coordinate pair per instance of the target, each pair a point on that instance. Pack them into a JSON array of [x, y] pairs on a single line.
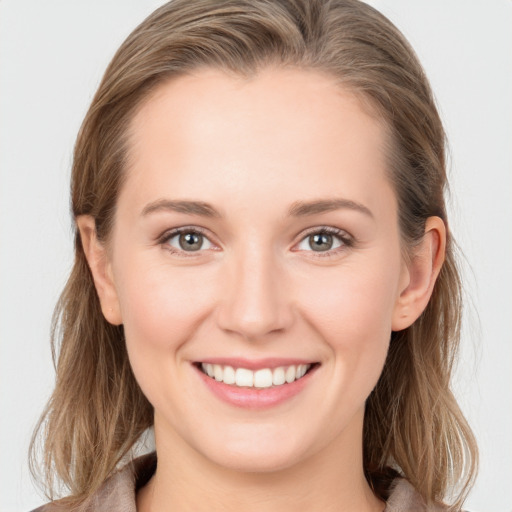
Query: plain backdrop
[[52, 56]]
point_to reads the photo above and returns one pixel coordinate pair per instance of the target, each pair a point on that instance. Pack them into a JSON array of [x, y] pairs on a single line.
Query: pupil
[[191, 241], [320, 242]]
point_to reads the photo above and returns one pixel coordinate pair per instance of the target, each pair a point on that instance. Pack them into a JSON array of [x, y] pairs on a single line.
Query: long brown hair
[[413, 425]]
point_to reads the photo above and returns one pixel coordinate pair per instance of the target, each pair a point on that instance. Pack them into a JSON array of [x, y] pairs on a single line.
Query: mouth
[[261, 378]]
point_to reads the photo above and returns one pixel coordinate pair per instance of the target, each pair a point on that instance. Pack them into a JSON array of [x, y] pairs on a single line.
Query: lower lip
[[256, 398]]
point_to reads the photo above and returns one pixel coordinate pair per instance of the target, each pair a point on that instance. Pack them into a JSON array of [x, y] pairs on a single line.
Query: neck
[[329, 480]]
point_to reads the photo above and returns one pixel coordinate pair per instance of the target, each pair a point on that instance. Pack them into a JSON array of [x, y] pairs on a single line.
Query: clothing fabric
[[118, 493]]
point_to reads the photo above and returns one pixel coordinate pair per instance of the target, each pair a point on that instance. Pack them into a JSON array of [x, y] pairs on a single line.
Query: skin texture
[[252, 149]]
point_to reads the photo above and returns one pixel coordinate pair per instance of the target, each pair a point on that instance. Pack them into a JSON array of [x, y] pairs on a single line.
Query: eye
[[324, 240], [188, 240]]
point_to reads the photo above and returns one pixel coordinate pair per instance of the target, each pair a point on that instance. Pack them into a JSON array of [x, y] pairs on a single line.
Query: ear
[[99, 263], [421, 274]]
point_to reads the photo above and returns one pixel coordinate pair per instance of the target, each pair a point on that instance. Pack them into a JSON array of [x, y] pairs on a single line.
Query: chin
[[257, 453], [255, 461]]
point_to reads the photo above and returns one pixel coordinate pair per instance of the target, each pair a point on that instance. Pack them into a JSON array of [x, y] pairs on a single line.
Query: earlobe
[[97, 258], [423, 270]]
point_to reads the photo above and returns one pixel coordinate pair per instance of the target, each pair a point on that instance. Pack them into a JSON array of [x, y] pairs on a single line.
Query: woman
[[264, 272]]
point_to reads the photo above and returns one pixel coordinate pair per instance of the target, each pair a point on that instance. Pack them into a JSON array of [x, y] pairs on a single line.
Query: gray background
[[52, 55]]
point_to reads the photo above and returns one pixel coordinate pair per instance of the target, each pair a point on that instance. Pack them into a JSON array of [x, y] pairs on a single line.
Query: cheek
[[352, 303], [162, 300], [352, 308], [161, 308]]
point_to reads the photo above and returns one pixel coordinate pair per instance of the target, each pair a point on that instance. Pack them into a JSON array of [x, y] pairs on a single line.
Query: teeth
[[263, 378], [278, 377], [229, 376], [217, 372], [243, 377], [290, 374]]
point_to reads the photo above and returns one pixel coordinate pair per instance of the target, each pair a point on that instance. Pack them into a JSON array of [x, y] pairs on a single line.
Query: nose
[[254, 299]]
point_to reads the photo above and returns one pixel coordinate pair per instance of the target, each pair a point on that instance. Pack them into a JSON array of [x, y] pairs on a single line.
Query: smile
[[264, 384], [262, 378]]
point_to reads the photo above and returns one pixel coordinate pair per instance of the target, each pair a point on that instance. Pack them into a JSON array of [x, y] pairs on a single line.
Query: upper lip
[[255, 364]]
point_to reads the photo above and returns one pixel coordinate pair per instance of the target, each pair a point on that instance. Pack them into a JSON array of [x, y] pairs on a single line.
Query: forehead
[[284, 129]]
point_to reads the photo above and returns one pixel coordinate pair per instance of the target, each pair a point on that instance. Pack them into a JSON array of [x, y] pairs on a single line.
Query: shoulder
[[405, 498], [118, 492]]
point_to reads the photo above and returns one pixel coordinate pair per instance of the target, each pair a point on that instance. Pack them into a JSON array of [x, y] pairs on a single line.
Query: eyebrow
[[188, 207], [301, 208], [297, 209]]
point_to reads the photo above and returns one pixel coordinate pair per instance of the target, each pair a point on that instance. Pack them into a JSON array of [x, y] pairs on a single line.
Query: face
[[256, 238]]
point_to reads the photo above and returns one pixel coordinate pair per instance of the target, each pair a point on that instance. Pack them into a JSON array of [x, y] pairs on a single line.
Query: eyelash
[[347, 241], [168, 235]]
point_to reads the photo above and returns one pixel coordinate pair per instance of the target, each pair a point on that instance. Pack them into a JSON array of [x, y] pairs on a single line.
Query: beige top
[[117, 494]]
